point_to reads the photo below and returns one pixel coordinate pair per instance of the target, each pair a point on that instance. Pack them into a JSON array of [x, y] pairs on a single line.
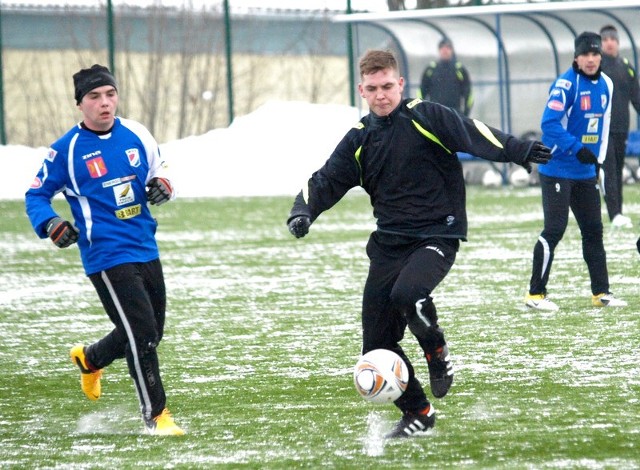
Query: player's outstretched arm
[[299, 219]]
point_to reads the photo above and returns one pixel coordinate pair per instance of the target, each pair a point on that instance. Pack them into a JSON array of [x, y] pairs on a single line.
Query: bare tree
[[171, 71], [425, 4], [395, 5]]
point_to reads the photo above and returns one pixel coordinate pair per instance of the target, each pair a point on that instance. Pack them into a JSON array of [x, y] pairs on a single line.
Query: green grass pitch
[[263, 331]]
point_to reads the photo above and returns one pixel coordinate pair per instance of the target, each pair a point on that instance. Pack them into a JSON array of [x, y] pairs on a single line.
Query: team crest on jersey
[[603, 101], [124, 194], [585, 102], [134, 157], [97, 168], [51, 155]]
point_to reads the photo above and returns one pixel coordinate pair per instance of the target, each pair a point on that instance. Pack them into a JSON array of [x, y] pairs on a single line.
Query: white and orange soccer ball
[[381, 376]]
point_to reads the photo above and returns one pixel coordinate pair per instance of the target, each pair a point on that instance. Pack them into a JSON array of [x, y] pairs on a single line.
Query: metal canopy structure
[[513, 52]]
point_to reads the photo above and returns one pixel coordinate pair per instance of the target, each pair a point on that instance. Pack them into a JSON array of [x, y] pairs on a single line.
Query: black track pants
[[134, 297], [406, 270], [613, 166], [583, 198]]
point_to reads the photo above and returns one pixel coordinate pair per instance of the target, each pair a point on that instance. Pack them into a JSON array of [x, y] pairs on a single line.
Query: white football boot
[[621, 221], [540, 302], [607, 300]]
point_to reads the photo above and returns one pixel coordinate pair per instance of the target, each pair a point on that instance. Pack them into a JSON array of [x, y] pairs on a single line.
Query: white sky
[[360, 5], [289, 140], [337, 5]]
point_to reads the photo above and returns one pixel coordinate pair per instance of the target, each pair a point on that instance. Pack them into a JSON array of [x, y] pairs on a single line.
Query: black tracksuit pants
[[613, 166], [402, 274], [134, 297], [583, 198]]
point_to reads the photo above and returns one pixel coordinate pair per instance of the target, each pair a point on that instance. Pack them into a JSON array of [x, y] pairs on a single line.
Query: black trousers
[[583, 198], [612, 167], [134, 297], [403, 272]]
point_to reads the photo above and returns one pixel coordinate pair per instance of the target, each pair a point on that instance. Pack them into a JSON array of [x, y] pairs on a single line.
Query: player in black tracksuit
[[447, 81], [404, 155], [625, 90]]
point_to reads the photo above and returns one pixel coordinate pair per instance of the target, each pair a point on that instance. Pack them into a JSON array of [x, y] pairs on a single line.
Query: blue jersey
[[103, 178], [577, 115]]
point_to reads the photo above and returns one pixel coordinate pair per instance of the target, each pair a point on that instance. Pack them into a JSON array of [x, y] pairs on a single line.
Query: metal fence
[[171, 64]]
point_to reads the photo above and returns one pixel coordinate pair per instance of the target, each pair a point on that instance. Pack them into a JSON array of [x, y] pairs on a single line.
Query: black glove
[[537, 153], [299, 226], [61, 232], [587, 157], [158, 191]]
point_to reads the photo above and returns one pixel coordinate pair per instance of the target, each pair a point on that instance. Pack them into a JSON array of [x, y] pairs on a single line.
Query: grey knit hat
[[445, 41], [609, 31]]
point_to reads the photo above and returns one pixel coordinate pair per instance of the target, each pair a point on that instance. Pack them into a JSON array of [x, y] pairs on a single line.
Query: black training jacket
[[407, 164], [447, 83], [625, 90]]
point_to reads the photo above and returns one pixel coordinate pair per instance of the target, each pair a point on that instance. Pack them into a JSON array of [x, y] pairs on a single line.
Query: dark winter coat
[[407, 163]]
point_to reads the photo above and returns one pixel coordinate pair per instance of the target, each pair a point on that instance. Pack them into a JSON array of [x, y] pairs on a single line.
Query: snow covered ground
[[271, 151]]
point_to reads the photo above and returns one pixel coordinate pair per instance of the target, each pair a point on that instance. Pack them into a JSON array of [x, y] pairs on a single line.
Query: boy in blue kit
[[108, 169], [575, 124]]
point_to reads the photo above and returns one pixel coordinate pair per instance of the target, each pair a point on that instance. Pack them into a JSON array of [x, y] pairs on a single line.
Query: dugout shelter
[[513, 52]]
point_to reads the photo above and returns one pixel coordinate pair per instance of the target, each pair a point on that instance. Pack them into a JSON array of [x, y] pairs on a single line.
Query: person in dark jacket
[[447, 81], [403, 153], [625, 90]]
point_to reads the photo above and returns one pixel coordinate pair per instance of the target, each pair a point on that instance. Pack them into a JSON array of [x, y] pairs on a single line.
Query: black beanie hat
[[87, 79], [445, 42], [587, 42]]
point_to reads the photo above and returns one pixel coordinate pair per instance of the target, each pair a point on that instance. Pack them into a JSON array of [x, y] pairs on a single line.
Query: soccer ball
[[381, 376], [491, 179], [627, 177], [519, 178]]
